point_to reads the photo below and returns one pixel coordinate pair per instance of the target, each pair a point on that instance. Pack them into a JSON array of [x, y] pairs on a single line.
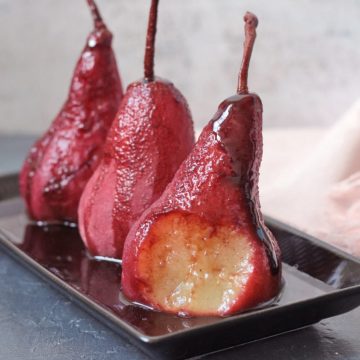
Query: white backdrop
[[306, 63]]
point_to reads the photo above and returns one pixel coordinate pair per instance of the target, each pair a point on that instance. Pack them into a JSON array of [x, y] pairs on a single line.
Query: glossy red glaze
[[150, 137], [218, 182], [61, 162]]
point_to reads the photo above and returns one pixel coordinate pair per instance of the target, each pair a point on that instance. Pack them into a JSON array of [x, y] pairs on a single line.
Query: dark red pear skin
[[150, 137], [61, 162], [215, 188]]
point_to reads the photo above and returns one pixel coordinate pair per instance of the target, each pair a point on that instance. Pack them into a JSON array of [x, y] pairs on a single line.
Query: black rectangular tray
[[320, 282]]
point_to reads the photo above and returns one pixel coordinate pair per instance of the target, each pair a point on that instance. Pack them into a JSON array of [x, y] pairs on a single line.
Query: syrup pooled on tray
[[60, 250]]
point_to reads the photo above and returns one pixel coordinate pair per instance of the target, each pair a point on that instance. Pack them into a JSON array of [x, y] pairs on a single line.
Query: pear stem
[[98, 21], [251, 23], [150, 42]]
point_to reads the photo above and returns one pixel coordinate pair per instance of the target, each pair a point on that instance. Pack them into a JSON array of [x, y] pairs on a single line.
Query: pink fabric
[[342, 216], [310, 179]]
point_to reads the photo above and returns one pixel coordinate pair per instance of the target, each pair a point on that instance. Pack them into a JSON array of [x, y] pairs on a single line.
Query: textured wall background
[[306, 63]]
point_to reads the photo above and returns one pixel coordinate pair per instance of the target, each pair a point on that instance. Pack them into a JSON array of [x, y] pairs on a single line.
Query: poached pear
[[150, 137], [203, 249], [61, 162]]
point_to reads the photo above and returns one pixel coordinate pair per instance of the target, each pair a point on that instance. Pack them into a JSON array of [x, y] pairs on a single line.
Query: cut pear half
[[186, 264]]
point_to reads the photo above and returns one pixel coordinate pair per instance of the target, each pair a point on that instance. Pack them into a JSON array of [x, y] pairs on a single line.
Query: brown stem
[[150, 42], [251, 23], [98, 21]]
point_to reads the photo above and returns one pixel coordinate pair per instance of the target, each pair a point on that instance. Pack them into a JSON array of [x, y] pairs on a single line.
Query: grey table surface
[[38, 323]]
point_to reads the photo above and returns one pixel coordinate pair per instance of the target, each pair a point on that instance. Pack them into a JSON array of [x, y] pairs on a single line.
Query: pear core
[[187, 264]]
